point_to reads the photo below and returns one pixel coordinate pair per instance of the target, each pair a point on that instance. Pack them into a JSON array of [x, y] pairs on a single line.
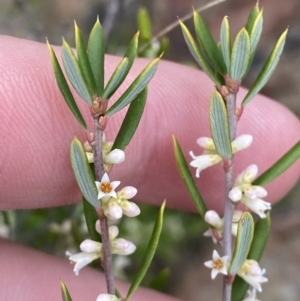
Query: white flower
[[107, 297], [106, 189], [114, 208], [249, 194], [109, 157], [91, 250], [251, 295], [253, 274], [217, 223], [210, 156], [218, 264], [81, 259]]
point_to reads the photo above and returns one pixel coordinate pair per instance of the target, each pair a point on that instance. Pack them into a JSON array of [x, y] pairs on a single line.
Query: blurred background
[[178, 267]]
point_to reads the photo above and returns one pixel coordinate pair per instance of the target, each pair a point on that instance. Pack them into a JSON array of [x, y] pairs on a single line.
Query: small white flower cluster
[[210, 156], [250, 272], [242, 192], [115, 204], [248, 194], [107, 297], [110, 157], [91, 250]]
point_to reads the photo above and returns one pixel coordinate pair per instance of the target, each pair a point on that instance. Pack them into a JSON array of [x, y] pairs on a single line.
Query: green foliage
[[135, 88], [267, 69], [75, 74], [208, 45], [188, 179], [91, 217], [64, 292], [96, 50], [288, 159], [83, 173], [240, 55], [131, 121], [219, 126], [151, 248], [225, 42], [243, 242], [64, 88], [159, 282]]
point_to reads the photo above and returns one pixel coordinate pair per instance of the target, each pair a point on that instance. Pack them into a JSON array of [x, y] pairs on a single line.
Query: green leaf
[[208, 44], [122, 69], [252, 17], [267, 69], [64, 292], [219, 125], [131, 121], [96, 51], [261, 234], [135, 88], [144, 24], [91, 218], [83, 173], [74, 73], [149, 253], [240, 55], [188, 179], [243, 242], [83, 60], [199, 57], [255, 33], [288, 159], [64, 88], [225, 41]]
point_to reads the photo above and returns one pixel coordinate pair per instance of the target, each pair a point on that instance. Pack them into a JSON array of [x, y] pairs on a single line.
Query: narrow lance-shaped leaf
[[209, 45], [240, 55], [255, 33], [74, 73], [91, 218], [122, 69], [83, 60], [267, 69], [149, 253], [131, 121], [188, 179], [219, 126], [252, 17], [83, 173], [96, 51], [288, 159], [261, 233], [64, 292], [135, 88], [64, 88], [225, 41], [199, 57], [243, 242]]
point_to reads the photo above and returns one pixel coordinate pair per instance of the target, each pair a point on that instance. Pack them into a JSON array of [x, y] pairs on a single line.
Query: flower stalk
[[228, 205], [99, 172]]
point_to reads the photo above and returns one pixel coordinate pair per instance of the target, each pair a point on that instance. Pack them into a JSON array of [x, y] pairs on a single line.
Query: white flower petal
[[213, 218], [114, 157], [257, 205], [203, 161], [113, 211], [206, 143], [250, 173], [241, 142], [218, 264], [130, 209], [113, 232], [107, 297], [127, 192], [122, 246], [82, 259], [90, 246], [235, 194]]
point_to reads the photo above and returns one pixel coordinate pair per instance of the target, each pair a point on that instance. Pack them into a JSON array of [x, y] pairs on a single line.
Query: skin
[[36, 131]]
